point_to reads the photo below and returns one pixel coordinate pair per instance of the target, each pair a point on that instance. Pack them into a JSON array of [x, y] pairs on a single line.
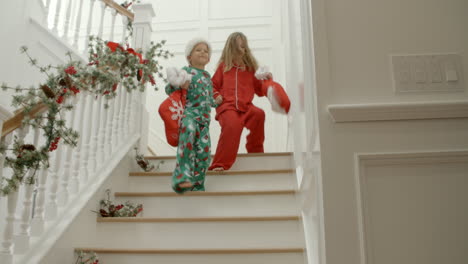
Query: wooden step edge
[[191, 251], [217, 173], [195, 219], [268, 154], [227, 193]]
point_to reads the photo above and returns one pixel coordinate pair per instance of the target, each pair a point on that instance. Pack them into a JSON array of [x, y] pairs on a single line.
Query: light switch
[[451, 75], [419, 70], [435, 70], [423, 73]]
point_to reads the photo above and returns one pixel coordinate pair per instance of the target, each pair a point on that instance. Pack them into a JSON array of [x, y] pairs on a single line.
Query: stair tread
[[194, 219], [268, 154], [224, 193], [191, 251], [217, 173]]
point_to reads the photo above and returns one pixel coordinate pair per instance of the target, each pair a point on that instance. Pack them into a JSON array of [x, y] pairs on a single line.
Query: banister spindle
[[58, 8], [77, 25], [37, 225], [54, 170], [90, 21], [86, 137], [102, 133], [101, 22], [124, 28], [63, 194], [76, 160], [67, 21], [22, 239], [121, 117], [114, 15], [6, 249], [95, 138]]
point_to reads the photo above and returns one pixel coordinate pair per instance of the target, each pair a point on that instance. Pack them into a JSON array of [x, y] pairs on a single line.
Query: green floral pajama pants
[[193, 155]]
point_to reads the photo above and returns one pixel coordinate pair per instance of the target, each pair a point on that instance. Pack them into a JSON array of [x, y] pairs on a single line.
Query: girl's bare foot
[[218, 169], [185, 185]]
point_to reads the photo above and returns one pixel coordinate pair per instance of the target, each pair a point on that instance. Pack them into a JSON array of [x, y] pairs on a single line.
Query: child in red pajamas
[[234, 86]]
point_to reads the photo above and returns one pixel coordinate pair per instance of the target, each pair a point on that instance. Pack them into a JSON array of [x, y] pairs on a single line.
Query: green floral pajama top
[[194, 149]]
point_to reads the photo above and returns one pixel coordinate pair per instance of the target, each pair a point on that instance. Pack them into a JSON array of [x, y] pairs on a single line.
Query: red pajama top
[[237, 86]]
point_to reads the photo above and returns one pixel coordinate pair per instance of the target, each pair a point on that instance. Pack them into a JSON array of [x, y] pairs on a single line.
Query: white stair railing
[[88, 21], [54, 187], [36, 210]]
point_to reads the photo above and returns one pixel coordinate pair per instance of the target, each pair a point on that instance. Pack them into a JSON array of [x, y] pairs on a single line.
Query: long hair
[[231, 50]]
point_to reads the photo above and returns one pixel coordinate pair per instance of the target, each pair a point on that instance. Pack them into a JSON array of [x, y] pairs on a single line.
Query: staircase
[[247, 215]]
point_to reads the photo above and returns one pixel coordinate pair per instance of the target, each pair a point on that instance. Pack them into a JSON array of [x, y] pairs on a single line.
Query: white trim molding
[[363, 160], [398, 111]]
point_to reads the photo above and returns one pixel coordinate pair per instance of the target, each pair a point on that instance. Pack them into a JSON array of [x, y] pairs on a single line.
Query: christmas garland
[[87, 258], [110, 64], [109, 209]]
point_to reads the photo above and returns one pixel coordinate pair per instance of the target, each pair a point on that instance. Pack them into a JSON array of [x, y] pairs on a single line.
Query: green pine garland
[[101, 76]]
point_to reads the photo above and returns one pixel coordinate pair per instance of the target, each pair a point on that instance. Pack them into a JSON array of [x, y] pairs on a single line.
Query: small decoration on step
[[87, 258], [109, 209], [144, 163]]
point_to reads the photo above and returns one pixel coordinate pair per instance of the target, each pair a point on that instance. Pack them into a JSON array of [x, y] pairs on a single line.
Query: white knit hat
[[192, 43]]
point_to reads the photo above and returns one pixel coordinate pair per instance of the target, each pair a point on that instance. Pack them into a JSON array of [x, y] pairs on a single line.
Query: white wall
[[179, 21], [406, 202]]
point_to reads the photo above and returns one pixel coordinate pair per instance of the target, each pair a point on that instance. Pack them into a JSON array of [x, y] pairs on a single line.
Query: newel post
[[142, 34]]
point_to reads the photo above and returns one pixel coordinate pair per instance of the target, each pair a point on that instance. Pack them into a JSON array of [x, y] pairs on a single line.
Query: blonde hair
[[231, 50]]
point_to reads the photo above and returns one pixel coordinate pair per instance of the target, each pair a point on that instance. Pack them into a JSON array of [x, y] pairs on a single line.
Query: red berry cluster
[[54, 144]]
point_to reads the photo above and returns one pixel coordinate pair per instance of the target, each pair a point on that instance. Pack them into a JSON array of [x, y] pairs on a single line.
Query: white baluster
[[76, 160], [95, 138], [57, 15], [110, 122], [77, 25], [88, 27], [6, 250], [122, 108], [102, 133], [67, 21], [47, 5], [131, 113], [101, 23], [114, 15], [63, 194], [116, 119], [46, 18], [22, 239], [54, 170], [6, 141], [37, 222], [37, 225], [124, 28], [86, 137], [128, 105]]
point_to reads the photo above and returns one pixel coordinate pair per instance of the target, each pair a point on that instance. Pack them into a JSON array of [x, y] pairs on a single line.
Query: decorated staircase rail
[[102, 132], [35, 201]]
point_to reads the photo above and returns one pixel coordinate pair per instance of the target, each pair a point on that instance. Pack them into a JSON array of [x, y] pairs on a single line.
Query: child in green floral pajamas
[[194, 149]]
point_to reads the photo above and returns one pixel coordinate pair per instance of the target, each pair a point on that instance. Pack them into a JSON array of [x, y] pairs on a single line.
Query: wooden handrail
[[15, 122], [119, 9]]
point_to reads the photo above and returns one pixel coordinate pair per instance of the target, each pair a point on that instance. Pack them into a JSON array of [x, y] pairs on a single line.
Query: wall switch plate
[[427, 73]]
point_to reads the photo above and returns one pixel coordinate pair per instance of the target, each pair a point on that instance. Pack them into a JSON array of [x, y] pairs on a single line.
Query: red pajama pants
[[232, 123]]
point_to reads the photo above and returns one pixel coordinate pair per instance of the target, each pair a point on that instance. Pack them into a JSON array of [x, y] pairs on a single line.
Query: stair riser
[[206, 206], [242, 163], [204, 235], [279, 258], [248, 182]]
